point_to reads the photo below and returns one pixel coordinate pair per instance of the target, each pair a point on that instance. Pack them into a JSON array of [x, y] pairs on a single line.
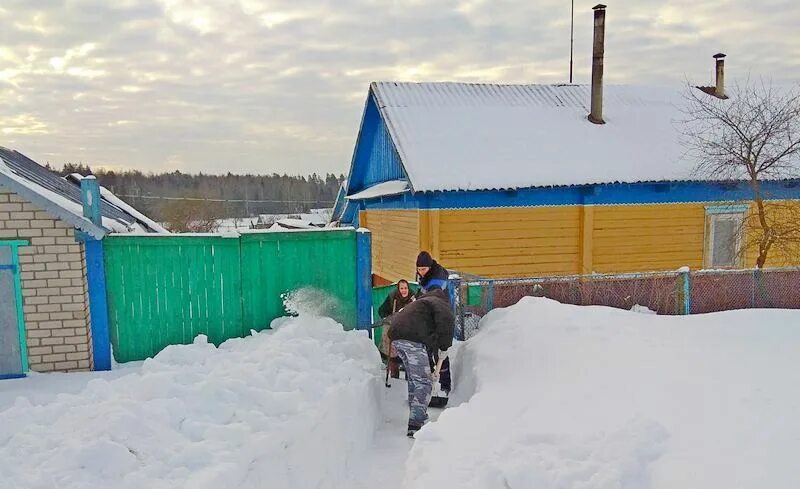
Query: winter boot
[[412, 430]]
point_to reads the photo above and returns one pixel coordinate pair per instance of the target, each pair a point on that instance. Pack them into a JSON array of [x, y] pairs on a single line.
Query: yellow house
[[514, 181]]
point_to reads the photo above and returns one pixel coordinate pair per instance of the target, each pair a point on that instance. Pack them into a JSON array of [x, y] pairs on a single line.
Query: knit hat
[[424, 259]]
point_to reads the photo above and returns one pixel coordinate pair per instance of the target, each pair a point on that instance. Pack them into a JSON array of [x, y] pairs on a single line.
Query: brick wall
[[54, 290]]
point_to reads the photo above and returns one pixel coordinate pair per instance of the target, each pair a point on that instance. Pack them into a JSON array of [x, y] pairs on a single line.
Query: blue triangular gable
[[375, 159]]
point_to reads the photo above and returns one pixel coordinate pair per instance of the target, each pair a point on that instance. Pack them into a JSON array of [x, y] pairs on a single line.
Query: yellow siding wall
[[546, 241], [787, 215], [640, 238], [510, 242], [395, 242]]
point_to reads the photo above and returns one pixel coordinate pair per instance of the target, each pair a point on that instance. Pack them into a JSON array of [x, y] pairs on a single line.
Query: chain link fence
[[679, 292]]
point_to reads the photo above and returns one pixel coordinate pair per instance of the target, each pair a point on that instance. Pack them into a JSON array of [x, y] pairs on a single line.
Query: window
[[723, 236]]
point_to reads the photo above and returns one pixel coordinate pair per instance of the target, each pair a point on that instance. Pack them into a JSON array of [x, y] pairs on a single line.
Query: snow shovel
[[438, 396]]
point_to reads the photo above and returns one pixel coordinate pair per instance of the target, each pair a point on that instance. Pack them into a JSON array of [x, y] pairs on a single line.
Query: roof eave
[[53, 208]]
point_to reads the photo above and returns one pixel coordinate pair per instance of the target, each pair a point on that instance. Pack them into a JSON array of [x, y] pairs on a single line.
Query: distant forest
[[159, 195]]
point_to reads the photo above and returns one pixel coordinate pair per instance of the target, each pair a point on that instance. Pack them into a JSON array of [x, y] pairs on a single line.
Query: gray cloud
[[263, 86]]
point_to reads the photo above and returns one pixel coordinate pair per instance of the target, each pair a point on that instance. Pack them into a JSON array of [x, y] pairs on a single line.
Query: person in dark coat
[[398, 299], [422, 326]]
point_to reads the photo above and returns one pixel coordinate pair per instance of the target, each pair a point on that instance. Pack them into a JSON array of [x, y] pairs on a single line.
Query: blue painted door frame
[[14, 267]]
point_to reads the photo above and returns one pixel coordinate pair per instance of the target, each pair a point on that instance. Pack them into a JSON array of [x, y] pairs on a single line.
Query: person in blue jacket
[[431, 275]]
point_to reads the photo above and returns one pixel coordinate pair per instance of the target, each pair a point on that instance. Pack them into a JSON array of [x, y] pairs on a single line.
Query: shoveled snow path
[[384, 466]]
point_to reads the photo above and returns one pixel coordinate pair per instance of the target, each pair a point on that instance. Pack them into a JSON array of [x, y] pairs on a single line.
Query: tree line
[[164, 195]]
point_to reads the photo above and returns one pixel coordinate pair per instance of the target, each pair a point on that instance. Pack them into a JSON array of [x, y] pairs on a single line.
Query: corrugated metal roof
[[463, 136]]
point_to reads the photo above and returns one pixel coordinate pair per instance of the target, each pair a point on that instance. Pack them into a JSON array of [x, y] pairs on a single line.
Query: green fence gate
[[166, 289]]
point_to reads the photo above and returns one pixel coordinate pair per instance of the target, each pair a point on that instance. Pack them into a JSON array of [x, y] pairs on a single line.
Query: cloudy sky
[[268, 86]]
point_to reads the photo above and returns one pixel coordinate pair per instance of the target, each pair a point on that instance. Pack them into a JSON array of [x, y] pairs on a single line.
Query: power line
[[241, 201]]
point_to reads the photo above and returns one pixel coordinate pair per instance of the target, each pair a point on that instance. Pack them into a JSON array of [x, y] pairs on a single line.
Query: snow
[[236, 224], [461, 136], [392, 187], [576, 397], [312, 220], [109, 197], [295, 407], [291, 223], [546, 395], [39, 388]]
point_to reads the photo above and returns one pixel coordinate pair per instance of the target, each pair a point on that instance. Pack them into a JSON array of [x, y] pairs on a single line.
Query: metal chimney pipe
[[719, 89], [598, 49]]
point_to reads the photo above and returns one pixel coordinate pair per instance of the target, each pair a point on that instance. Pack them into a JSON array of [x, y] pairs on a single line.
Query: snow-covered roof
[[392, 187], [112, 199], [314, 218], [461, 136], [62, 198]]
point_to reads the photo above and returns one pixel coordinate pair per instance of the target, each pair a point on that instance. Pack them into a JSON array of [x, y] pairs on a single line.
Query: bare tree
[[194, 215], [753, 136]]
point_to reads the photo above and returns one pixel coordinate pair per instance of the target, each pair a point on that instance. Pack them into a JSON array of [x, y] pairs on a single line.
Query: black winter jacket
[[428, 320], [394, 302], [436, 277]]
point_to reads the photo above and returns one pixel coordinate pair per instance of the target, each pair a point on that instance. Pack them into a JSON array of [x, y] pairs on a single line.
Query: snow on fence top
[[462, 136]]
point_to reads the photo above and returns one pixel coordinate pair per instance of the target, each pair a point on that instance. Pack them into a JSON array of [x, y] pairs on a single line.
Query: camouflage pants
[[418, 370]]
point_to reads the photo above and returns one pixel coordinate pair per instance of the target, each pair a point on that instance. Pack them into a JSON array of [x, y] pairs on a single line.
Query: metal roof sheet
[[464, 136]]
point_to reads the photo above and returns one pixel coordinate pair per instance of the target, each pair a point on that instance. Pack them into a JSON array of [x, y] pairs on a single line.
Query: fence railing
[[165, 290], [679, 292]]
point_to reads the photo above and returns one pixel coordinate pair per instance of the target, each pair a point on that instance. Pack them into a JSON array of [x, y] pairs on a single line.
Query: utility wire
[[201, 199]]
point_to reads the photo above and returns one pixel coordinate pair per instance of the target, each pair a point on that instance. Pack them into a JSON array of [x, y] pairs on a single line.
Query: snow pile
[[590, 397], [289, 408]]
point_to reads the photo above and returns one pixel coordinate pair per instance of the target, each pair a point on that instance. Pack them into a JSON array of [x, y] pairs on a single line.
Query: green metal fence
[[165, 290]]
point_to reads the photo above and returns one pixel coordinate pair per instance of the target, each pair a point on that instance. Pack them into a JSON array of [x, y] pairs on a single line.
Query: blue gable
[[375, 158]]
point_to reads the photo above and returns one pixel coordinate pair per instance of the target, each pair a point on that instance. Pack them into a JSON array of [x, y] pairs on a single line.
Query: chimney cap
[[719, 56], [599, 6]]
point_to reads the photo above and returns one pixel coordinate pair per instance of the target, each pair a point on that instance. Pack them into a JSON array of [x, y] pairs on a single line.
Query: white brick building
[[43, 266]]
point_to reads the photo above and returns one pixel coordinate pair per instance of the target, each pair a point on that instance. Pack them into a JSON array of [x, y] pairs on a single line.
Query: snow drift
[[288, 408], [561, 396]]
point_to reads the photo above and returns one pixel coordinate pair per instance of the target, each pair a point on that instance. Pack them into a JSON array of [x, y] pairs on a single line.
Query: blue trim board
[[363, 279], [12, 376], [96, 278], [16, 277], [98, 305], [601, 194], [726, 209]]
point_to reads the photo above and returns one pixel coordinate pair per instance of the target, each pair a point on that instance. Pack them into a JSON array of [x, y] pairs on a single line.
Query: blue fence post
[[96, 277], [686, 287], [489, 295], [363, 279]]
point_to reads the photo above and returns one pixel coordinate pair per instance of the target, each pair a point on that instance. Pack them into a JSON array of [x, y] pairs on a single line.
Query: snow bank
[[288, 408], [563, 396]]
